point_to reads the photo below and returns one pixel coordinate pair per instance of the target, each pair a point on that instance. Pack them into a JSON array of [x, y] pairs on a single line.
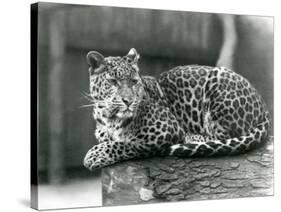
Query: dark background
[[164, 39]]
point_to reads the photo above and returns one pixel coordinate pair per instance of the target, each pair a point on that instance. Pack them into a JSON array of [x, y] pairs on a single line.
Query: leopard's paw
[[89, 159], [97, 157]]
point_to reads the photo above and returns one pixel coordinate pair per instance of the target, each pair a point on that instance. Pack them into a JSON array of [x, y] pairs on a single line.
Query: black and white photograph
[[139, 106]]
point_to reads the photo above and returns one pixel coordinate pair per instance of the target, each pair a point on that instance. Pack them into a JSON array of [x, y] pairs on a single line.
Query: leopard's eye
[[112, 81], [134, 81]]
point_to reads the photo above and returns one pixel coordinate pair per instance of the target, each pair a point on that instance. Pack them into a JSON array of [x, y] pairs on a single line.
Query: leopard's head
[[115, 84]]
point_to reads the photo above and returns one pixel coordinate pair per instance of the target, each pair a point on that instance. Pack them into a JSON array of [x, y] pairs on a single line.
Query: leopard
[[189, 111]]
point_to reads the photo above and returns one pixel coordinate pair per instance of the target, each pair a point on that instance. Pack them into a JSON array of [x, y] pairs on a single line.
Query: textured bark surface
[[174, 179]]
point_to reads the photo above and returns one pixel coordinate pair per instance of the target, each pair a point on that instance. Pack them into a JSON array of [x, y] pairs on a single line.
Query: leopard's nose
[[127, 101]]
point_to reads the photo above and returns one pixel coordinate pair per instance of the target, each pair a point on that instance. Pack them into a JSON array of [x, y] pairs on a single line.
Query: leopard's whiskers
[[87, 96], [90, 105]]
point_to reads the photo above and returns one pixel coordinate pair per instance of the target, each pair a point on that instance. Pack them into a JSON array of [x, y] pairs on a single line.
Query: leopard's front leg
[[107, 153], [111, 152], [137, 146]]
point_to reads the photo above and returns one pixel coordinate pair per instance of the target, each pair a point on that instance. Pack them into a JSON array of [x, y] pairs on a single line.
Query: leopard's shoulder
[[153, 90]]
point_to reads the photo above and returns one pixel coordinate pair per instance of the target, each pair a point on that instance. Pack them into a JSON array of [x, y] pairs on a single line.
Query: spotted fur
[[190, 111]]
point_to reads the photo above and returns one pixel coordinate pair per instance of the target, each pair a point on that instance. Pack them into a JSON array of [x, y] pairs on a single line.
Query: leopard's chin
[[125, 114]]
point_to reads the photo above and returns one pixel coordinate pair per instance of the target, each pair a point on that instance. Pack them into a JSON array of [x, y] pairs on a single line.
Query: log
[[174, 179]]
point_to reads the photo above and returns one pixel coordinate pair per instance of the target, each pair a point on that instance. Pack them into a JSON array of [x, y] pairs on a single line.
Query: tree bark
[[173, 179]]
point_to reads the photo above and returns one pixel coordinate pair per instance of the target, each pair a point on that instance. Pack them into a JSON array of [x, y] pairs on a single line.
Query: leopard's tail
[[232, 146]]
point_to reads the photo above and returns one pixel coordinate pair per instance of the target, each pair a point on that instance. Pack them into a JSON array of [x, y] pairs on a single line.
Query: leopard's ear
[[133, 55], [96, 61]]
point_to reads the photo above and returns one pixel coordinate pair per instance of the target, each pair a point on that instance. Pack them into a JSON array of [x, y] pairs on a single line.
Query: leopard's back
[[214, 102]]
